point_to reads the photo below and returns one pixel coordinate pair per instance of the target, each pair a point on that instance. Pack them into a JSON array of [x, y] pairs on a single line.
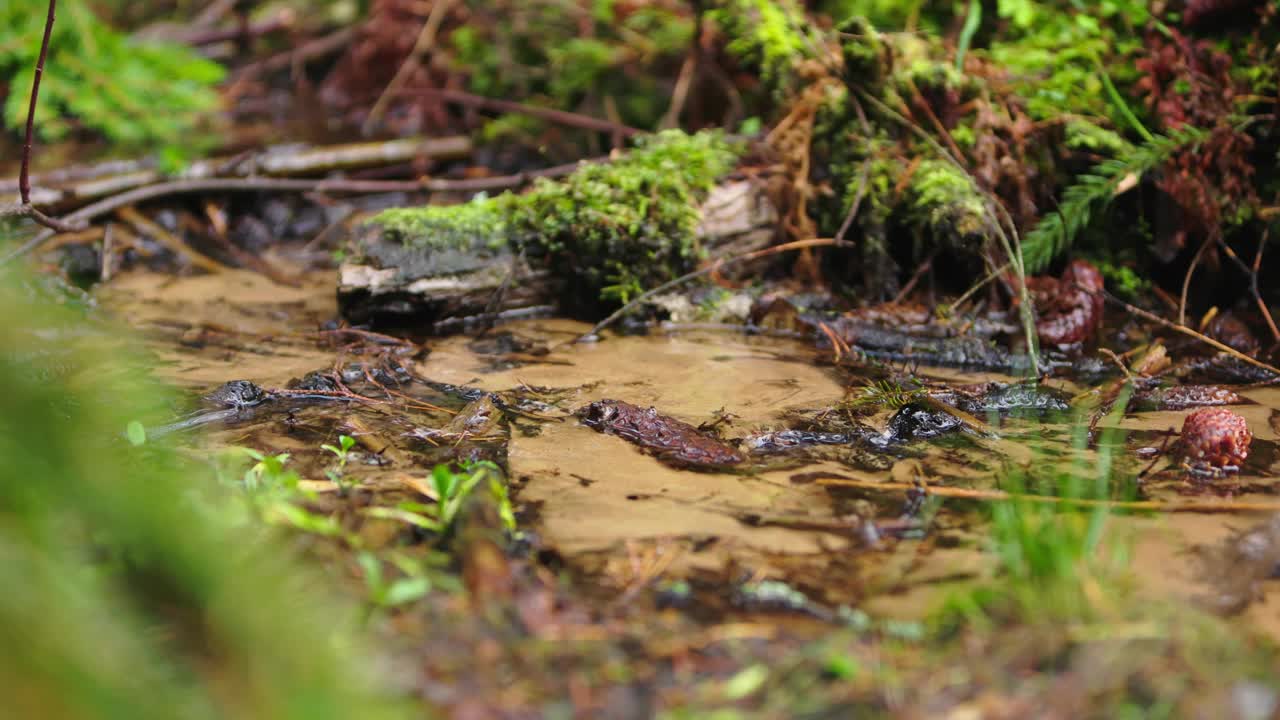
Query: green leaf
[[406, 590], [136, 433], [746, 682]]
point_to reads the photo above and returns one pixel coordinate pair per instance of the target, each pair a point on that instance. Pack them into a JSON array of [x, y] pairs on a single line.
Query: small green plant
[[267, 473], [341, 451], [452, 490], [384, 592], [888, 394], [1050, 550]]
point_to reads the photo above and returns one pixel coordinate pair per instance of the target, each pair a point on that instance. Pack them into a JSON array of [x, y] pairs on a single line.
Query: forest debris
[[1216, 437], [671, 440], [146, 227]]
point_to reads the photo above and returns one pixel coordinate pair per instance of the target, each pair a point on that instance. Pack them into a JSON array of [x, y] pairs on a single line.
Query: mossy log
[[581, 245], [450, 289]]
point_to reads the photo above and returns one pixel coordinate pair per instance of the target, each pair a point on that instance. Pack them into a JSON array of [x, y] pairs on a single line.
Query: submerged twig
[[1187, 331], [1002, 495]]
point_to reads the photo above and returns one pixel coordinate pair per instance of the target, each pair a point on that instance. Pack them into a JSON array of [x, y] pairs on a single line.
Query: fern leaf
[[1092, 191]]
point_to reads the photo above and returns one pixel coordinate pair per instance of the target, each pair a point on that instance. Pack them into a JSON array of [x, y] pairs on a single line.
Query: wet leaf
[[746, 682], [136, 433]]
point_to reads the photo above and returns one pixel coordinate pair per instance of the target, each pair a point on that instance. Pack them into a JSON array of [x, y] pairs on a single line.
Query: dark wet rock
[[236, 394], [888, 344], [462, 392], [670, 440], [784, 440], [917, 421], [314, 381], [384, 373], [1006, 397], [1181, 397], [1229, 330]]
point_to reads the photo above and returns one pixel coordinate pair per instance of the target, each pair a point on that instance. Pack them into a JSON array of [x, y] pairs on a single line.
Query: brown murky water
[[606, 507]]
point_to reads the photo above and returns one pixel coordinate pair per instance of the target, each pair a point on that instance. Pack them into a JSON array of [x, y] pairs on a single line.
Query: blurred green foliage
[[133, 588], [566, 53], [133, 93]]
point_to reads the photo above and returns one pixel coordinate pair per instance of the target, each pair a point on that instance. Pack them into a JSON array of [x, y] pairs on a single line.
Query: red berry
[[1216, 436]]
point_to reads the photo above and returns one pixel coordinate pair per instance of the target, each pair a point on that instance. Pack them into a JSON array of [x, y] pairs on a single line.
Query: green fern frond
[[1093, 190], [886, 394]]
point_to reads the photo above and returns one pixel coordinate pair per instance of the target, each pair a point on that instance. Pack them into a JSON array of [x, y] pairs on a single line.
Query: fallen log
[[580, 246]]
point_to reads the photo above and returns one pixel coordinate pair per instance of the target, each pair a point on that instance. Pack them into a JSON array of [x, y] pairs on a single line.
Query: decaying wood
[[390, 283], [61, 191]]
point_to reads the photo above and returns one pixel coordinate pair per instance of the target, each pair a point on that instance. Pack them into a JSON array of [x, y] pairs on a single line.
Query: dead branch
[[185, 187], [561, 117]]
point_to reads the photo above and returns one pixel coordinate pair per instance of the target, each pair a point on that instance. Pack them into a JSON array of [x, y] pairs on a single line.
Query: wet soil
[[838, 521]]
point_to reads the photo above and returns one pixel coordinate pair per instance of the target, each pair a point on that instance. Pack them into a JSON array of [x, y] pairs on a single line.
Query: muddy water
[[606, 507]]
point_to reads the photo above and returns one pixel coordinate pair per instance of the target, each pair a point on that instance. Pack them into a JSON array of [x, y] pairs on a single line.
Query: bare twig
[[561, 117], [26, 209], [857, 200], [1253, 281], [24, 178], [1186, 280], [147, 227], [1200, 506], [309, 50], [426, 40]]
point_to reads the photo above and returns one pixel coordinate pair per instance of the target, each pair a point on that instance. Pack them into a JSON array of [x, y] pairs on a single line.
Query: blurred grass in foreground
[[129, 591]]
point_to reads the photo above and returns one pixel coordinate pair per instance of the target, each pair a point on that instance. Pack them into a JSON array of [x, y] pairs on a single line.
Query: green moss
[[611, 230], [476, 224], [772, 35], [943, 199], [1053, 53], [863, 51], [625, 226], [1086, 136]]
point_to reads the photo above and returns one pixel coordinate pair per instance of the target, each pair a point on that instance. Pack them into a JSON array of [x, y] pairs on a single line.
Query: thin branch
[[1195, 506], [1185, 331], [26, 209], [423, 45], [24, 178], [707, 270], [857, 200], [1253, 281], [561, 117], [1186, 280], [181, 187]]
